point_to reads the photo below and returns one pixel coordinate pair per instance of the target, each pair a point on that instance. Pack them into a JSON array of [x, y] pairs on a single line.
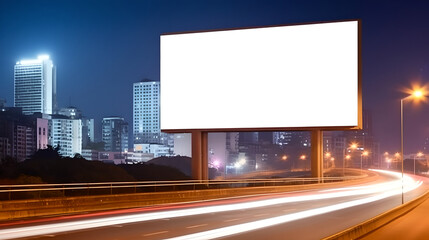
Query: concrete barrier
[[18, 209], [379, 221]]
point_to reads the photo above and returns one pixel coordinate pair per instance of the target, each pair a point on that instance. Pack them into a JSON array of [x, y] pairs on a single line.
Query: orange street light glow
[[284, 157], [302, 157], [365, 153], [353, 146], [417, 92]]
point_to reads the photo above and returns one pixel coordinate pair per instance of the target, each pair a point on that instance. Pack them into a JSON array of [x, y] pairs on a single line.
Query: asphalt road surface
[[310, 214]]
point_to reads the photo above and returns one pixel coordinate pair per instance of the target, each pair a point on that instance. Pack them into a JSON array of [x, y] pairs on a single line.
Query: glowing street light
[[284, 157], [416, 94], [419, 154], [327, 156], [353, 146], [303, 157]]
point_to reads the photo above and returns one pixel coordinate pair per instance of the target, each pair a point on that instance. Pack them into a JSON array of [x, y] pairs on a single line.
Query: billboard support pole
[[199, 155], [317, 154]]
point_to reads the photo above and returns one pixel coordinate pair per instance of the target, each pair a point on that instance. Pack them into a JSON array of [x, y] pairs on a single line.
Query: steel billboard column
[[317, 154], [204, 156], [199, 155]]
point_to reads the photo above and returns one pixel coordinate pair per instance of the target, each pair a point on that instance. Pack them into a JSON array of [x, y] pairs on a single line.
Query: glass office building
[[35, 85]]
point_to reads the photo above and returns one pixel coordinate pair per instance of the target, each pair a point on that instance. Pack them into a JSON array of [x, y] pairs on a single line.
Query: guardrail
[[34, 191]]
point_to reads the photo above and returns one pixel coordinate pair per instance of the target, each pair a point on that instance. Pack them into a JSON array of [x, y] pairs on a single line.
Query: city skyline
[[89, 74]]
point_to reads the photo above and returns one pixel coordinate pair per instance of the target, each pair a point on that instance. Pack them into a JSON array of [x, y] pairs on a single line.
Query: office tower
[[66, 133], [87, 131], [115, 134], [35, 85], [87, 123], [146, 128]]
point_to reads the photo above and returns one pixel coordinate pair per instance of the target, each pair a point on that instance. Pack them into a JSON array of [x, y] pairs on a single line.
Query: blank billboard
[[270, 78]]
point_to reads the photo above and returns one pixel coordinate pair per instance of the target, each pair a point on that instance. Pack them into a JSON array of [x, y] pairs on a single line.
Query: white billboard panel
[[283, 77]]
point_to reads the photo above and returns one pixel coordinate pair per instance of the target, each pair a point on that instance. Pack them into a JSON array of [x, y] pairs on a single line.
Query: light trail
[[245, 227], [387, 189]]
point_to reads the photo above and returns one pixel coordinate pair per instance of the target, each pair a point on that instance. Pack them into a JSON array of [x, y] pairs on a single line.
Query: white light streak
[[386, 189], [245, 227]]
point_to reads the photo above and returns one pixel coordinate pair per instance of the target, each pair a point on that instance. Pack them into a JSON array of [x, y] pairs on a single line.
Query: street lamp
[[416, 95], [327, 156], [419, 154], [353, 146], [397, 159], [365, 153], [303, 157]]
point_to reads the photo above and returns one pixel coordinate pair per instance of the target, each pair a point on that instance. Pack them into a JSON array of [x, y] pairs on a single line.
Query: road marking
[[155, 233], [199, 225], [259, 215], [234, 219], [50, 235], [117, 226], [165, 219]]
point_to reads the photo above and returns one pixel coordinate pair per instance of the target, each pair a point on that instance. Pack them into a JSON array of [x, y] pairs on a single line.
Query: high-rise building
[[21, 135], [115, 134], [87, 124], [66, 133], [146, 125], [35, 85]]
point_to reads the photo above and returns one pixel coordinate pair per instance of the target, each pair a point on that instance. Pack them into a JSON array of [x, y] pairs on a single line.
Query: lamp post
[[417, 94], [353, 146], [365, 153], [419, 154], [303, 157]]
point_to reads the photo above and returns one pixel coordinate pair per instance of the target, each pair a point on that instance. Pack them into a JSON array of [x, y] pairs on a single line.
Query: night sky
[[101, 48]]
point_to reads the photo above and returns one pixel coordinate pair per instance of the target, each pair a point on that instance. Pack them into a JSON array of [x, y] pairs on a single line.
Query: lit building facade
[[158, 150], [115, 134], [87, 124], [146, 120], [66, 133], [35, 85]]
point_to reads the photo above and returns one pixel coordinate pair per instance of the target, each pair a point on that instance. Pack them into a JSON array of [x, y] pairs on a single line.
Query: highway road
[[309, 214]]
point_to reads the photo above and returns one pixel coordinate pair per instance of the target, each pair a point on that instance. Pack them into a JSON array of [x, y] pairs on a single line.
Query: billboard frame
[[282, 129]]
